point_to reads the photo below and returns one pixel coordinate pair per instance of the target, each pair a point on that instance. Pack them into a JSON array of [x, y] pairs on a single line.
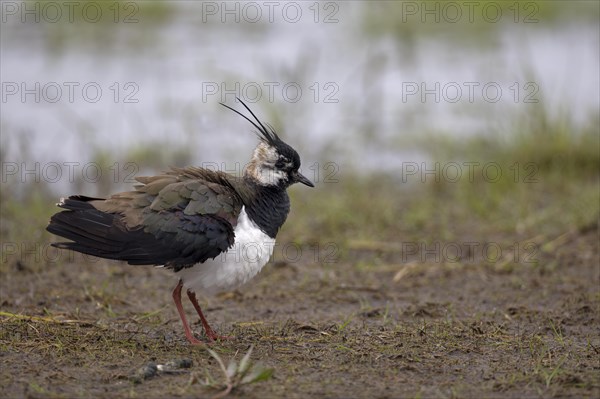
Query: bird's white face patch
[[262, 166], [270, 177]]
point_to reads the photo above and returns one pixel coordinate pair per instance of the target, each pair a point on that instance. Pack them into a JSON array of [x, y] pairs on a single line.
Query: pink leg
[[186, 327], [209, 331]]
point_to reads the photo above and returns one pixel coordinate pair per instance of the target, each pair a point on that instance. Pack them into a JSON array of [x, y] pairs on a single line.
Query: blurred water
[[355, 106]]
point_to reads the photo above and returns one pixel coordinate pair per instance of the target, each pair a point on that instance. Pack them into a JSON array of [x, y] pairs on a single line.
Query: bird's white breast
[[250, 252]]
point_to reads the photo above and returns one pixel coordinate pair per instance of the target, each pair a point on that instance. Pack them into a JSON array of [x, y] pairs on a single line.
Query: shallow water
[[336, 92]]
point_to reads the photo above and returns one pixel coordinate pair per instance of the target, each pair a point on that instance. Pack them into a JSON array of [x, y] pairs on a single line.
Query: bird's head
[[273, 163]]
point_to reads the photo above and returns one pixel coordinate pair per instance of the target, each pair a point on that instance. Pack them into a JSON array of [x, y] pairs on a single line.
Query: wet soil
[[362, 327]]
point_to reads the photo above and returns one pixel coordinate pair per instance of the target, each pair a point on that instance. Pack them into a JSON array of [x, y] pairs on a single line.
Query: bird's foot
[[212, 336], [195, 341]]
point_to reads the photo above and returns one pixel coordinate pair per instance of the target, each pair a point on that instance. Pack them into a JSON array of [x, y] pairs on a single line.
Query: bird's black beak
[[299, 178]]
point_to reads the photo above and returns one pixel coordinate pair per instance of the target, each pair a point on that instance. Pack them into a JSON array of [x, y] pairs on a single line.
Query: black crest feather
[[267, 135]]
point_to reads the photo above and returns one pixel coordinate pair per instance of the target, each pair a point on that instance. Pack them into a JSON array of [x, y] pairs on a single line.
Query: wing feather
[[177, 219]]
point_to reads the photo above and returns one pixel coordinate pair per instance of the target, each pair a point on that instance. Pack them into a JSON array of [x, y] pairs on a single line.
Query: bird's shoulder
[[191, 190], [190, 214]]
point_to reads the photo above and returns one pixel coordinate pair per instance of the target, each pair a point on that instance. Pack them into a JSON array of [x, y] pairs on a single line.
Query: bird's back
[[179, 218]]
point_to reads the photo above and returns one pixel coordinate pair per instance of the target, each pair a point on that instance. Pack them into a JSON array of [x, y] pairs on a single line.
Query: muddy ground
[[347, 328]]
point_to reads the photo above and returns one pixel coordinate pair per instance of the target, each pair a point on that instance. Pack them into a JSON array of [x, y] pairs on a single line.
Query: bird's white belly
[[250, 252]]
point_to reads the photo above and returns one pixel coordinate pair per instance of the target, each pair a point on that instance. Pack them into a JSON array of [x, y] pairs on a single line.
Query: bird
[[215, 231]]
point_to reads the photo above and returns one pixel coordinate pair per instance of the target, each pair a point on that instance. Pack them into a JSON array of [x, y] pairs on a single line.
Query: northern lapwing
[[215, 231]]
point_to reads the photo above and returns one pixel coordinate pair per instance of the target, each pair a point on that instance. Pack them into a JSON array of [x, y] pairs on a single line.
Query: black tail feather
[[102, 234], [77, 202]]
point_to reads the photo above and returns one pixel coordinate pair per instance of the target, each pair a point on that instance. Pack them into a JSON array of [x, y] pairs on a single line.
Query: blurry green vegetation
[[548, 185], [552, 142], [153, 155], [98, 25], [478, 21], [101, 12]]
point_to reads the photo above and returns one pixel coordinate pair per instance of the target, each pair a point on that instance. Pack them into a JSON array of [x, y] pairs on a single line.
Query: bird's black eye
[[281, 163]]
